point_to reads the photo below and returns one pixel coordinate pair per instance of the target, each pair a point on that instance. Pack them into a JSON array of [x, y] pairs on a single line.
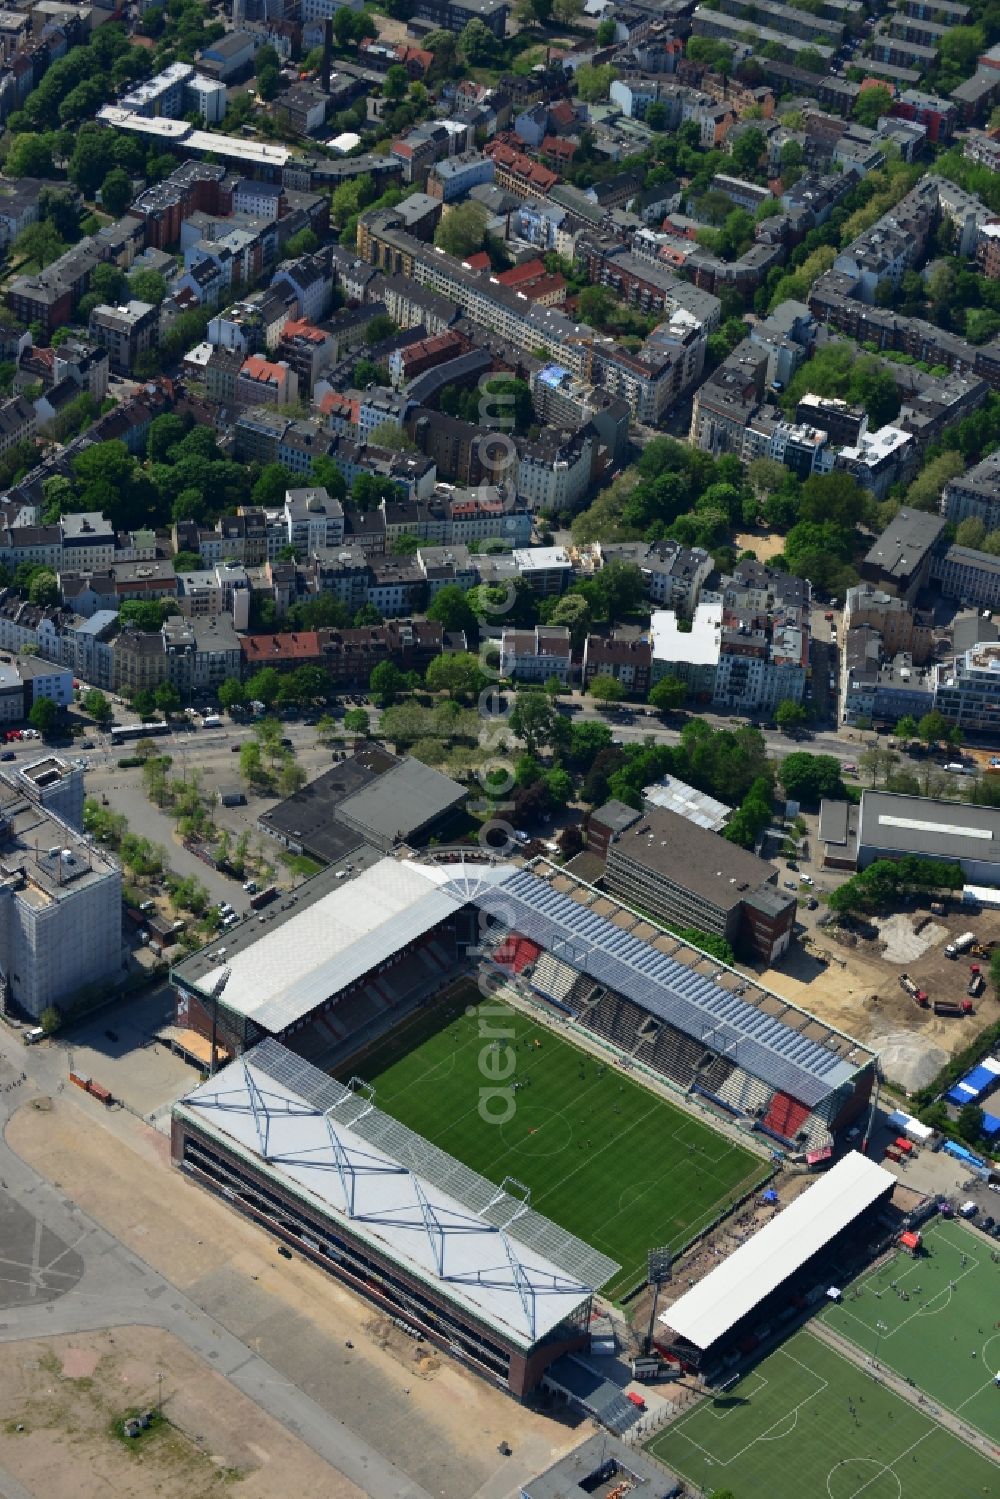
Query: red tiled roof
[[256, 368], [296, 646], [299, 328], [478, 262]]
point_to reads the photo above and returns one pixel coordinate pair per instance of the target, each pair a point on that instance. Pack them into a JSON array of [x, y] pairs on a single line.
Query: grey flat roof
[[902, 824], [710, 866], [308, 818], [571, 1477], [445, 1225], [403, 800], [904, 542]]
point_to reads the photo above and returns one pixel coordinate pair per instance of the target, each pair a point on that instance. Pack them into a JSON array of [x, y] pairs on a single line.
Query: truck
[[976, 985], [960, 944], [263, 898], [953, 1007], [913, 990]]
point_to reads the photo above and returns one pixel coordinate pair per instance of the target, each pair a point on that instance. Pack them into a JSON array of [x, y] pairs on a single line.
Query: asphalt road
[[64, 1274]]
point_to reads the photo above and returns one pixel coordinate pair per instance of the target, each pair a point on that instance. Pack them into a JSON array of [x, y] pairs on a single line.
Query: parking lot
[[118, 1049]]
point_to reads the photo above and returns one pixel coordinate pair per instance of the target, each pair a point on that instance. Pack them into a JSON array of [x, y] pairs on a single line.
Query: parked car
[[8, 755]]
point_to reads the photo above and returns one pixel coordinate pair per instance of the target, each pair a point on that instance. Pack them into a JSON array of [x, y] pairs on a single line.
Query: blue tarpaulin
[[991, 1125]]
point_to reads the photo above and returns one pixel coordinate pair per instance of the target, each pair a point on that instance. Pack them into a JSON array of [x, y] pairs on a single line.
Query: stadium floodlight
[[660, 1262]]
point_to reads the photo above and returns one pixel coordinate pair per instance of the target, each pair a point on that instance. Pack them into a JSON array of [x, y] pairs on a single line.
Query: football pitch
[[934, 1320], [606, 1159], [807, 1424]]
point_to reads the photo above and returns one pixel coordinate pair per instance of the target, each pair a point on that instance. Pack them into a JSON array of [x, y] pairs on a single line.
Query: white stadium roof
[[337, 940], [478, 1247], [759, 1266]]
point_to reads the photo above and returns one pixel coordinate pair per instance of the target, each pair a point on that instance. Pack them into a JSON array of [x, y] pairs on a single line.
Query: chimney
[[327, 53]]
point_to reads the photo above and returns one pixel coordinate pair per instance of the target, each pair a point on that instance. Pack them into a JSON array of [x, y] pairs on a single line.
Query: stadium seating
[[553, 978], [712, 1079], [746, 1094], [516, 953], [786, 1116]]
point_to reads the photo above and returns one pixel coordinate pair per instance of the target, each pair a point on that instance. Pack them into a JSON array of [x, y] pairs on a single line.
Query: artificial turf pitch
[[945, 1334], [807, 1424], [605, 1158]]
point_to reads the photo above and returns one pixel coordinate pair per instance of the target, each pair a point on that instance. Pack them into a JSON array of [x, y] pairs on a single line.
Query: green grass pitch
[[604, 1157], [945, 1337], [807, 1424]]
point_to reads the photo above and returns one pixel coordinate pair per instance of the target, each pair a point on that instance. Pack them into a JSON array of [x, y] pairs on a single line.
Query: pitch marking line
[[724, 1415], [766, 1434], [924, 1310]]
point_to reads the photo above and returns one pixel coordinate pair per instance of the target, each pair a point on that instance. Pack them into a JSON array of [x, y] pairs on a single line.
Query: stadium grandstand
[[469, 1265], [338, 965], [784, 1267]]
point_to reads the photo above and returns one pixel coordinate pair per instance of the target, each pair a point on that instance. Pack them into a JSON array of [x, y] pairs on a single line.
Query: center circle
[[882, 1484], [536, 1130]]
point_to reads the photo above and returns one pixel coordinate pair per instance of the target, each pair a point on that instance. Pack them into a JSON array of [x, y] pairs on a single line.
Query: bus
[[126, 731]]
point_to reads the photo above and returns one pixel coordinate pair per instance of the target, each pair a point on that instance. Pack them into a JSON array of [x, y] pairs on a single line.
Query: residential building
[[899, 561], [967, 575], [625, 657], [976, 493], [265, 382], [313, 520], [60, 903], [126, 332], [536, 655]]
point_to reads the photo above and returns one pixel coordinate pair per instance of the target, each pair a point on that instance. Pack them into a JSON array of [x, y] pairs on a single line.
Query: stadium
[[480, 1232]]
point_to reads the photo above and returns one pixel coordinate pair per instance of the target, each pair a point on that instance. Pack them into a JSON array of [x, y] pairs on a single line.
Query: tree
[[451, 608], [148, 286], [970, 532], [872, 102], [29, 156], [357, 721], [607, 689], [933, 727], [668, 694], [808, 778], [605, 36], [459, 675], [386, 682], [291, 777], [303, 243], [44, 588], [269, 490], [877, 762], [925, 491], [906, 728], [970, 1123], [462, 231], [477, 46], [251, 763], [264, 686], [593, 82], [533, 719], [116, 192], [50, 1019], [39, 244], [747, 151], [268, 83], [94, 703], [168, 699], [396, 82], [573, 612], [618, 589], [790, 715], [44, 716]]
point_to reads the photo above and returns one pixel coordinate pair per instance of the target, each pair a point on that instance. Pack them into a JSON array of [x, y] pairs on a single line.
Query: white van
[[32, 1037]]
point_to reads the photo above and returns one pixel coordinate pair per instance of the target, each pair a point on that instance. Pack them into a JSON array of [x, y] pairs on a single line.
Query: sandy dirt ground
[[853, 983], [762, 544], [439, 1423], [69, 1393]]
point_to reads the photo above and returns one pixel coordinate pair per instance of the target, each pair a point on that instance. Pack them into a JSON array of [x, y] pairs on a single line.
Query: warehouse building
[[734, 1305], [891, 825]]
